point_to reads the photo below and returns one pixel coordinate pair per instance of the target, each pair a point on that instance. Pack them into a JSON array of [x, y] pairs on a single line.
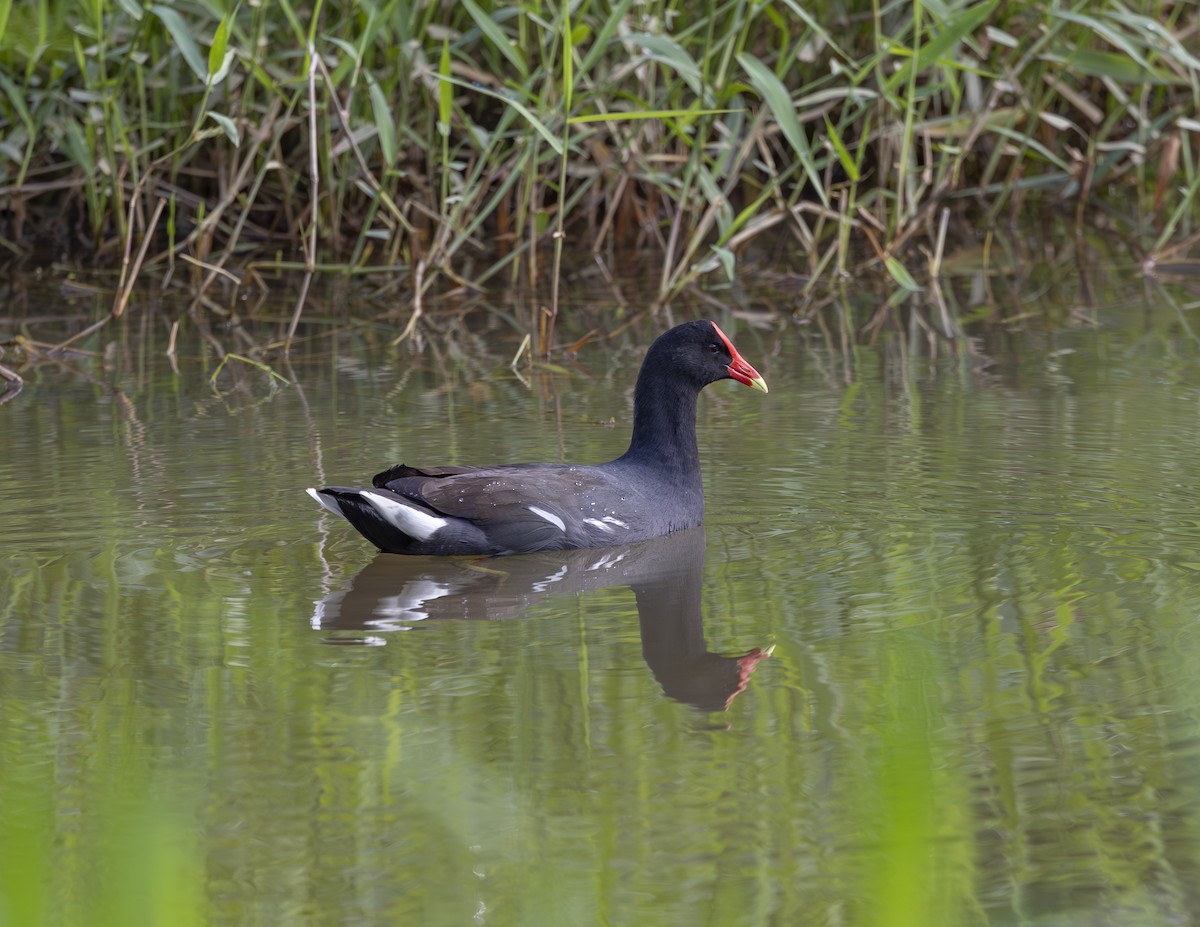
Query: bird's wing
[[403, 471], [525, 508]]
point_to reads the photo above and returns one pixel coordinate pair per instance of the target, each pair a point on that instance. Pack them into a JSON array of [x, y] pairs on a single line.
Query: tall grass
[[461, 143]]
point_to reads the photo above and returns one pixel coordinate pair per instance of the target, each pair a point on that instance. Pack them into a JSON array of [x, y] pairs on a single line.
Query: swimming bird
[[654, 488]]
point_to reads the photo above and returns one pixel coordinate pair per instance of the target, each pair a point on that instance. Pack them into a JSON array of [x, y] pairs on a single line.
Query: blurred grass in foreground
[[116, 853]]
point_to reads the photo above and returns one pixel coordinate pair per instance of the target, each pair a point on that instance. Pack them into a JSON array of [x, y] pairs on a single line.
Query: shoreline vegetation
[[466, 145]]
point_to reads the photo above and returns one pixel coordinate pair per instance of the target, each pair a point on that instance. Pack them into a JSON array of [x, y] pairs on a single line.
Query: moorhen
[[653, 489]]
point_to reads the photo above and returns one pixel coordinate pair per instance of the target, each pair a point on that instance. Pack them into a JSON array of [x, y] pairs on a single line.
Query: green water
[[980, 573]]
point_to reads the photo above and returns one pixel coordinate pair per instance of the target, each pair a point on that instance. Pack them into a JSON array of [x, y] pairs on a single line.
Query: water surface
[[979, 573]]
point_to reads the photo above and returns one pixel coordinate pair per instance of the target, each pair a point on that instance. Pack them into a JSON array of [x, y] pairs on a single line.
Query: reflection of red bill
[[746, 664]]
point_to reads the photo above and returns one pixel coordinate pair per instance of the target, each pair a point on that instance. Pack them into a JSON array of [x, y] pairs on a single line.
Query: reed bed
[[465, 144]]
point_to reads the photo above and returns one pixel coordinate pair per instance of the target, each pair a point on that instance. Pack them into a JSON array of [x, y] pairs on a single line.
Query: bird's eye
[[714, 348]]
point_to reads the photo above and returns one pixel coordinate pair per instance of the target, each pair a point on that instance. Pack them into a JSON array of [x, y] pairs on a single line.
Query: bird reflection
[[397, 593]]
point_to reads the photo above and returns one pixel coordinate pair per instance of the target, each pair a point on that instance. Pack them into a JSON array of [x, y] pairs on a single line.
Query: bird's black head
[[702, 353]]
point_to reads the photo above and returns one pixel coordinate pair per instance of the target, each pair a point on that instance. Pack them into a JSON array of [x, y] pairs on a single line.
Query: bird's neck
[[664, 425]]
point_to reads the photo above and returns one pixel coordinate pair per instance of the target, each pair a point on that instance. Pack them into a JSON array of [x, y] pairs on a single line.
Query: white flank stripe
[[326, 504], [549, 516], [597, 523], [416, 524], [615, 521]]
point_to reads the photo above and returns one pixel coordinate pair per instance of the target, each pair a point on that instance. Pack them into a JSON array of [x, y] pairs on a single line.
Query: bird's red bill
[[738, 368]]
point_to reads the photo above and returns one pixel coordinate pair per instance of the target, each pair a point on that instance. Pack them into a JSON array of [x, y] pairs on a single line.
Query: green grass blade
[[228, 125], [848, 163], [293, 21], [900, 274], [647, 114], [1151, 27], [568, 57], [445, 94], [779, 101], [385, 127], [1107, 64], [181, 33], [671, 53], [953, 31], [17, 98], [218, 64], [811, 22], [77, 145], [1035, 145], [496, 36], [530, 116], [445, 112], [1181, 209], [748, 213], [604, 36], [1113, 36]]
